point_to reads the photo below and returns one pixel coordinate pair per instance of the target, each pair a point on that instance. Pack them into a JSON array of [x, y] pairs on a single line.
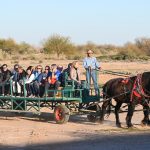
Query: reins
[[122, 74]]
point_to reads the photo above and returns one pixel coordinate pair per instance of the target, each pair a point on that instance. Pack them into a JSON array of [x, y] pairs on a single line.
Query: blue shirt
[[57, 74], [91, 62], [38, 76]]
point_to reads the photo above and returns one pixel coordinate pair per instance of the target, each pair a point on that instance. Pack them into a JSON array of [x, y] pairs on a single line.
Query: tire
[[91, 118], [61, 114]]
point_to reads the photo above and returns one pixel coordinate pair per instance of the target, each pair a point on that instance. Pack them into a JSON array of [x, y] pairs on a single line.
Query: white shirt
[[29, 79]]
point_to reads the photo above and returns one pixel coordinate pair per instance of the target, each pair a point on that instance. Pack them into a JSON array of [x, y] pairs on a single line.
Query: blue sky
[[99, 21]]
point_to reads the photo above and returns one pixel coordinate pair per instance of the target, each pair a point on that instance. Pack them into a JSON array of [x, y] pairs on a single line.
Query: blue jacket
[[38, 76]]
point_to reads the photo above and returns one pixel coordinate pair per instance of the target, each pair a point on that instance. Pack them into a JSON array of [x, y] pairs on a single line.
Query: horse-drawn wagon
[[64, 101], [68, 99]]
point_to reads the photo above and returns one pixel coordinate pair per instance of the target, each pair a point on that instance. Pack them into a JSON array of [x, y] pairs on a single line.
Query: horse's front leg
[[117, 108], [146, 120], [131, 108]]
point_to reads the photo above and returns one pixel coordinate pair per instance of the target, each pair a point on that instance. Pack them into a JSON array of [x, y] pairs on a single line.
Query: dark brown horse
[[134, 90]]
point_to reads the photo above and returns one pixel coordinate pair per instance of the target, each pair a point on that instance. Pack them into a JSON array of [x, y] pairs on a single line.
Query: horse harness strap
[[125, 82], [142, 90], [137, 89]]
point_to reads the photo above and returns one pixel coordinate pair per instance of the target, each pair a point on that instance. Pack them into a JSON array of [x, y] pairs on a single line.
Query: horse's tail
[[108, 109], [107, 100]]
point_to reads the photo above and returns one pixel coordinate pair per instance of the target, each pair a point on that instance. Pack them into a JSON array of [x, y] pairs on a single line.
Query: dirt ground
[[30, 131]]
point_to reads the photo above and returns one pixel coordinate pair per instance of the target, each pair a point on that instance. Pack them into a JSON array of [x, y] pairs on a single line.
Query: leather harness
[[137, 89]]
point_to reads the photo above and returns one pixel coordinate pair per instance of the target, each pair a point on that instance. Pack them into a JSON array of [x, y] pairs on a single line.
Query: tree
[[8, 45], [144, 45], [59, 45], [25, 48], [132, 49]]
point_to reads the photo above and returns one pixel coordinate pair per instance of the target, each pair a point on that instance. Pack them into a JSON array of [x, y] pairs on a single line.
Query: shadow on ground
[[49, 117], [43, 117], [101, 141]]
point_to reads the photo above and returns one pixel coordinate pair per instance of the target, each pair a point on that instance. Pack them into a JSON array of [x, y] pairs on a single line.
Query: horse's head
[[146, 78], [146, 82]]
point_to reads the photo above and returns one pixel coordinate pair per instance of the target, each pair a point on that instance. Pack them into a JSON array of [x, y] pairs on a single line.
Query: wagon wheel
[[61, 114], [91, 118]]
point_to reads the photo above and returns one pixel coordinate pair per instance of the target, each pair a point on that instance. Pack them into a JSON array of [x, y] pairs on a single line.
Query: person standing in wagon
[[91, 65]]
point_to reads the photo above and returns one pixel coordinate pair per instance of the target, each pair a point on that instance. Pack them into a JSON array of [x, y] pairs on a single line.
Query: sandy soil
[[29, 131], [26, 130]]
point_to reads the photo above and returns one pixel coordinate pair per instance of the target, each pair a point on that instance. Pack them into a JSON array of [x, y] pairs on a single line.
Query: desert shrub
[[59, 45], [15, 62], [40, 61], [14, 57], [103, 57], [24, 58], [32, 58], [144, 58], [77, 57]]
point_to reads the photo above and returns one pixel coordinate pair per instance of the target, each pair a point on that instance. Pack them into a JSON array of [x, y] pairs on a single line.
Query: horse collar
[[137, 89]]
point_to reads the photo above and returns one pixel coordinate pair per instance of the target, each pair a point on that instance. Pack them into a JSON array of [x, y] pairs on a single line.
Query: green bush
[[123, 57]]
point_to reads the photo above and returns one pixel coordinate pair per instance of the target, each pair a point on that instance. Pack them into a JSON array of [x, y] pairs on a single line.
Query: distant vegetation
[[60, 47]]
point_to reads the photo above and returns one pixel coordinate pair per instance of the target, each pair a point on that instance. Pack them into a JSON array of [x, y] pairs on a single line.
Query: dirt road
[[28, 131]]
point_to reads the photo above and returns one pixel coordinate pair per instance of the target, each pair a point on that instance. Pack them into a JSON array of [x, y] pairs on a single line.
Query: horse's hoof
[[130, 126], [100, 121], [145, 123], [148, 123], [118, 125]]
